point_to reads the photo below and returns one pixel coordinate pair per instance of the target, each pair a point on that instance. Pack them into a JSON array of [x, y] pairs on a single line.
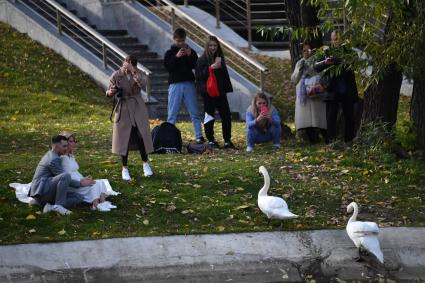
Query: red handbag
[[212, 86]]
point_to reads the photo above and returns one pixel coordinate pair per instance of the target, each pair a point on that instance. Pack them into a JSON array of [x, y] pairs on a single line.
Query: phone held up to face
[[264, 109]]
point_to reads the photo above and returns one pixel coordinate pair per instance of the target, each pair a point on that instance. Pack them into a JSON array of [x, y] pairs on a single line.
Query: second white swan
[[363, 234]]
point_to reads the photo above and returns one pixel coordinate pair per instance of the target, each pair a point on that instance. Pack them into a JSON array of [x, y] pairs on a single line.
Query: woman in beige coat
[[131, 129], [310, 113]]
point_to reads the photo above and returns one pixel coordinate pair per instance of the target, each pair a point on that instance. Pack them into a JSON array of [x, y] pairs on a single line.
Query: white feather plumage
[[273, 207], [364, 234]]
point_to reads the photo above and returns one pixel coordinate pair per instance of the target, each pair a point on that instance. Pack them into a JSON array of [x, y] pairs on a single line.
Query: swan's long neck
[[265, 188], [356, 211]]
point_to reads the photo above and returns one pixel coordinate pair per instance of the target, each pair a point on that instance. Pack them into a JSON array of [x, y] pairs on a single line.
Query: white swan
[[273, 207], [363, 234]]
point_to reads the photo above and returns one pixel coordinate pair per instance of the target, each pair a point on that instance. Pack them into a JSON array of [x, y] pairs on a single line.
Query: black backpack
[[167, 139]]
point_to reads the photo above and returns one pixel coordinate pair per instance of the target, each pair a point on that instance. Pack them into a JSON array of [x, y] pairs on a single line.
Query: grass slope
[[41, 94]]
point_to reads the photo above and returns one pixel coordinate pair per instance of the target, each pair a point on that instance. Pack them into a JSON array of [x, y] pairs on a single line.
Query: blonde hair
[[254, 108]]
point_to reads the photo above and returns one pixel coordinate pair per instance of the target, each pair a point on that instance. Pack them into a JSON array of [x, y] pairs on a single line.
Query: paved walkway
[[247, 257]]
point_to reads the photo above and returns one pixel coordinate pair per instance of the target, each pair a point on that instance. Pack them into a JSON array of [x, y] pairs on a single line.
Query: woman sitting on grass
[[262, 123], [95, 194]]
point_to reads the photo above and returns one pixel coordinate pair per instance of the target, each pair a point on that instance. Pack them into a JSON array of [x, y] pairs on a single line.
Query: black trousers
[[135, 137], [313, 134], [222, 105], [332, 108]]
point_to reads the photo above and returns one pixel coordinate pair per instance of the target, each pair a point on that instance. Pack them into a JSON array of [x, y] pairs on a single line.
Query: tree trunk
[[293, 13], [309, 19], [301, 15], [417, 106], [381, 101], [417, 110]]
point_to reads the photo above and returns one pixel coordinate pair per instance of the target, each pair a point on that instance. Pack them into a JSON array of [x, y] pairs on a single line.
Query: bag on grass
[[199, 148], [167, 138]]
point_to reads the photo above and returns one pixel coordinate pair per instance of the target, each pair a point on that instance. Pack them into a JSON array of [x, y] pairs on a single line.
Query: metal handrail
[[222, 41], [85, 28], [95, 34], [224, 7], [241, 61]]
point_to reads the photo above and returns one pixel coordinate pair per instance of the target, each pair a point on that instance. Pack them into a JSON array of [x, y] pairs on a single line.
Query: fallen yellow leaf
[[242, 206], [30, 217]]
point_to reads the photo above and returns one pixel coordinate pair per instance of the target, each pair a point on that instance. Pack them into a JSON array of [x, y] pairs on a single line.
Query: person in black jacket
[[213, 58], [343, 88], [179, 61]]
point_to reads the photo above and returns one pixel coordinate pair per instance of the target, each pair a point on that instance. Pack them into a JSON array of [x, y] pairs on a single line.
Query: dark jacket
[[342, 86], [179, 69], [202, 74]]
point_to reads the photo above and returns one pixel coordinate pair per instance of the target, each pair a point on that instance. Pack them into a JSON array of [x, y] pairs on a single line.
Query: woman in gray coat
[[131, 129]]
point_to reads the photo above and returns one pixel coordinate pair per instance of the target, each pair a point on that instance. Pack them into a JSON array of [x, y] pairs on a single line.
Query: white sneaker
[[109, 205], [125, 174], [276, 146], [249, 148], [47, 208], [147, 170], [61, 210], [103, 207], [33, 202]]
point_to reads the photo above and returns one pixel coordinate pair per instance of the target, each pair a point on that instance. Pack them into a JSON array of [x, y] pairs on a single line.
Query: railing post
[[59, 21], [104, 55], [186, 3], [249, 23], [217, 13], [262, 81], [173, 19], [148, 87]]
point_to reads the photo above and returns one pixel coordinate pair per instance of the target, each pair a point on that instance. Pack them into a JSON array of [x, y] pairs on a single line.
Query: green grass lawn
[[41, 95]]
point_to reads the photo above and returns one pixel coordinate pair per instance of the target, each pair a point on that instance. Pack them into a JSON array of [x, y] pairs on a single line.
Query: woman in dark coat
[[213, 58]]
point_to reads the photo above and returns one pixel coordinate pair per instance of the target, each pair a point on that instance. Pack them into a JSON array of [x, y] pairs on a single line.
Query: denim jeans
[[254, 136], [178, 92]]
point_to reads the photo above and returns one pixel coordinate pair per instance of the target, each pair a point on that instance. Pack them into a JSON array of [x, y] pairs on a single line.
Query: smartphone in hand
[[264, 109]]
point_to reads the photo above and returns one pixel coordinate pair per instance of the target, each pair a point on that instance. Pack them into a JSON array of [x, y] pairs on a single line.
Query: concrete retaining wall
[[250, 257]]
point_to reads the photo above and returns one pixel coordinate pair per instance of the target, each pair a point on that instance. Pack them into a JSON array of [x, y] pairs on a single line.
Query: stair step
[[134, 46], [112, 32], [142, 54], [122, 39]]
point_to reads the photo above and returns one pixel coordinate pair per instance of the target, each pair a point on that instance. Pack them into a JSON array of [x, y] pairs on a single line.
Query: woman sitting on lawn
[[262, 123], [95, 194]]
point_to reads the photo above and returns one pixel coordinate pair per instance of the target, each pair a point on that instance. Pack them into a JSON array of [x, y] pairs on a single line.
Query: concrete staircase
[[269, 13], [130, 45]]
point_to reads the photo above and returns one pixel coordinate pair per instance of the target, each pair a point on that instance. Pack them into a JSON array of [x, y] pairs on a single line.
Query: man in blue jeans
[[179, 61]]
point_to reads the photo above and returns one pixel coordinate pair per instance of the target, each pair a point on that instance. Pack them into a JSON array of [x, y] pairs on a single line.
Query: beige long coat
[[131, 111], [313, 112]]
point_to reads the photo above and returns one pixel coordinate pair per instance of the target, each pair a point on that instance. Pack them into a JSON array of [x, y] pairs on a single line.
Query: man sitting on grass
[[49, 186]]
